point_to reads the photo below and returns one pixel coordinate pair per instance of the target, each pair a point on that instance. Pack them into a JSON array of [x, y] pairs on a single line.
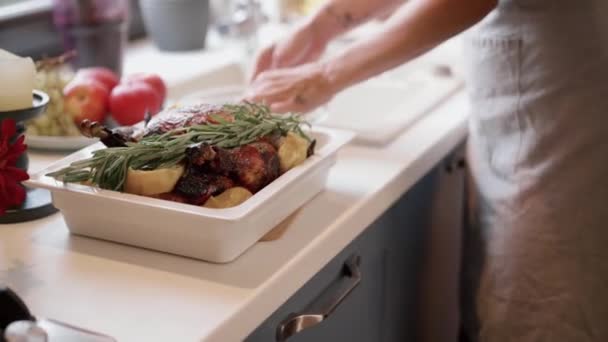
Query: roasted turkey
[[209, 170], [165, 121]]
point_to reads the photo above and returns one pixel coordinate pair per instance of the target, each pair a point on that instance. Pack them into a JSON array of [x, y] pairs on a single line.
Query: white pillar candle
[[17, 76]]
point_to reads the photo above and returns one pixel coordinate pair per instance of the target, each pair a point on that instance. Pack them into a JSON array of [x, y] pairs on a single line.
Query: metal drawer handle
[[325, 304]]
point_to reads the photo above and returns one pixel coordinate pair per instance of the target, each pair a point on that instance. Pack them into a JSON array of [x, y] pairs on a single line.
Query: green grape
[[31, 130], [59, 107], [44, 121], [70, 128], [54, 121], [56, 96], [54, 130]]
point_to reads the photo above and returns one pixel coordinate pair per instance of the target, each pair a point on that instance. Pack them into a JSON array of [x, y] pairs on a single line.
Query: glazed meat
[[184, 117], [252, 166], [196, 187], [165, 121]]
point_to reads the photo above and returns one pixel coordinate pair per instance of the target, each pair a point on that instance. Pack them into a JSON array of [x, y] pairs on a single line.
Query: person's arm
[[417, 27], [308, 41], [336, 17]]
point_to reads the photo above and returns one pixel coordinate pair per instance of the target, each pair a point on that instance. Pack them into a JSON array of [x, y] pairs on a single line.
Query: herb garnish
[[108, 167]]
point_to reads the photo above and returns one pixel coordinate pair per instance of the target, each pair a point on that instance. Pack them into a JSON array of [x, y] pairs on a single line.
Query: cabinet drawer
[[382, 307]]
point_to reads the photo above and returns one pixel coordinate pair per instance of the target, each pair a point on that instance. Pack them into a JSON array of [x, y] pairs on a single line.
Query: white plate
[[48, 143], [217, 235], [65, 143]]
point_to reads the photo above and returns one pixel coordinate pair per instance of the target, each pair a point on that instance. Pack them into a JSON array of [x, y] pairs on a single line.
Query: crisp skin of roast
[[196, 187], [251, 166], [210, 170], [174, 118], [169, 119]]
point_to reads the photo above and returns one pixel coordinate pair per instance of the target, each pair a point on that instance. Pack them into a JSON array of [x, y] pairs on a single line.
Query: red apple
[[151, 79], [101, 74], [86, 99], [129, 102]]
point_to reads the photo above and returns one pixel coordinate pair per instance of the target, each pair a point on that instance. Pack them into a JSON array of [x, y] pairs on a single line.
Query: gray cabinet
[[383, 306]]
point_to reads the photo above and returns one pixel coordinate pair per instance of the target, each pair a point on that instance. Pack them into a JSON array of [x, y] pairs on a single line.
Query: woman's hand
[[299, 89], [303, 46], [331, 19]]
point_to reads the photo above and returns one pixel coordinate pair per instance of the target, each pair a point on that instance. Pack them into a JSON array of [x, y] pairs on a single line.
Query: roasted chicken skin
[[174, 118], [210, 170], [251, 166], [196, 187], [169, 119]]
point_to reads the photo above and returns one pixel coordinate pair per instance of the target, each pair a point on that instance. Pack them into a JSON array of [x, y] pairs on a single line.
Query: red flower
[[11, 192]]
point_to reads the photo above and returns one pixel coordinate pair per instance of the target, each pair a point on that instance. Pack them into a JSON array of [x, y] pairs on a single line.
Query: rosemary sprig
[[108, 167]]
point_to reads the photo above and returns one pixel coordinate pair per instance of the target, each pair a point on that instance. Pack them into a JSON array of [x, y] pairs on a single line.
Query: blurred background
[[189, 51], [74, 41], [30, 28]]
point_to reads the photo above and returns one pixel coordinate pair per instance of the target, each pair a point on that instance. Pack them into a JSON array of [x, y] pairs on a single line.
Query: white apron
[[536, 256]]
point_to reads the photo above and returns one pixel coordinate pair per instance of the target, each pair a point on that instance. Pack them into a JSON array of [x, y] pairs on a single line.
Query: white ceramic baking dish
[[216, 235]]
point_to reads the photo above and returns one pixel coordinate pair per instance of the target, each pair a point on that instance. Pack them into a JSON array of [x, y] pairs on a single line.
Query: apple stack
[[96, 92]]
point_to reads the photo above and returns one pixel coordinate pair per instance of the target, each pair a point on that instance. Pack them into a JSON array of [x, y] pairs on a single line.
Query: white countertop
[[134, 294]]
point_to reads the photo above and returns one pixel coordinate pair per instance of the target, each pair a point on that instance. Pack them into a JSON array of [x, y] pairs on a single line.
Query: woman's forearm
[[336, 17], [416, 28]]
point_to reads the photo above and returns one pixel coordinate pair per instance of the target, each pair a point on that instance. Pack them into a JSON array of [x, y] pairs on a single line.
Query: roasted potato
[[229, 198], [293, 150], [152, 182]]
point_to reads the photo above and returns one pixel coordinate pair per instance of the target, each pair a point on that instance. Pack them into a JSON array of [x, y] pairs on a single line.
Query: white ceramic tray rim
[[329, 140]]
